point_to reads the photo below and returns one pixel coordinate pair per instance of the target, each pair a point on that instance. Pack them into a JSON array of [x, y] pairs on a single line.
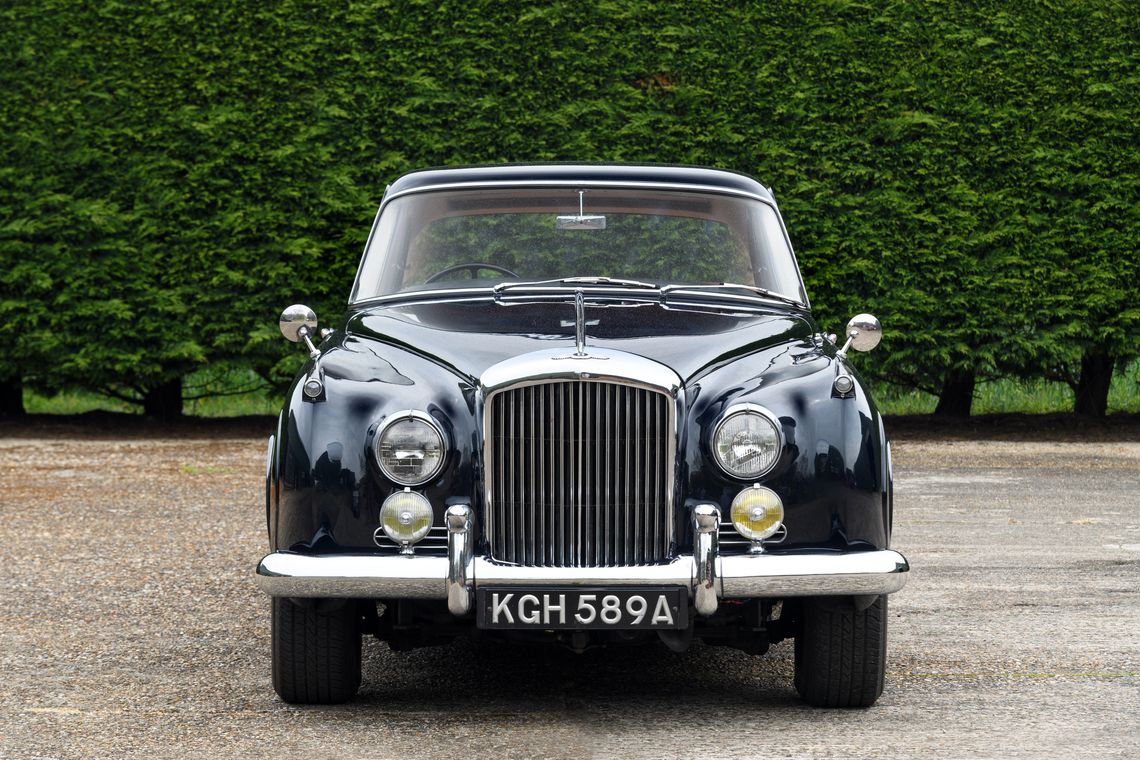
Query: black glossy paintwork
[[325, 491], [469, 337]]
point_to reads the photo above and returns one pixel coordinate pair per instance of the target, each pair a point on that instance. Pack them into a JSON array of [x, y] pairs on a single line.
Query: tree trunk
[[12, 397], [957, 393], [1094, 382], [164, 401]]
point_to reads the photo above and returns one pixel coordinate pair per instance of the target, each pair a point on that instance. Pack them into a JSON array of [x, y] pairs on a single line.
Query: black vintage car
[[585, 405]]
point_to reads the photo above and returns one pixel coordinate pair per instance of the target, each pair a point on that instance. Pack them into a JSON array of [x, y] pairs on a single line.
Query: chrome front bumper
[[708, 576]]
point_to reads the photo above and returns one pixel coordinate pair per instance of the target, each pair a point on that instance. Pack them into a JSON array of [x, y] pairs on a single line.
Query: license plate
[[578, 608]]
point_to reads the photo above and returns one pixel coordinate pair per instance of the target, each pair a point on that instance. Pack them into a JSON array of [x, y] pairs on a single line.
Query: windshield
[[481, 238]]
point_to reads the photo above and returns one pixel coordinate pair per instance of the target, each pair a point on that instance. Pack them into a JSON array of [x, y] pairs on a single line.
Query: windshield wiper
[[764, 292], [502, 287], [609, 281]]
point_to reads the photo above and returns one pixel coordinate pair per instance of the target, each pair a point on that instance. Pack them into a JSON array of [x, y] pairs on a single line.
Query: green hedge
[[175, 172]]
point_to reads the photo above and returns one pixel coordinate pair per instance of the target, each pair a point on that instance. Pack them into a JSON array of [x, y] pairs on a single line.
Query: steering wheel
[[473, 268]]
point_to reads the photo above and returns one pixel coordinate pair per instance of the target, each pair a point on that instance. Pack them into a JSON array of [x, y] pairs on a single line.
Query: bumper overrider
[[708, 576]]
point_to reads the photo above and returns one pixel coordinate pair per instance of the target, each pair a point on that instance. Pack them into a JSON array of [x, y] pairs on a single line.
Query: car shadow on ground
[[492, 677]]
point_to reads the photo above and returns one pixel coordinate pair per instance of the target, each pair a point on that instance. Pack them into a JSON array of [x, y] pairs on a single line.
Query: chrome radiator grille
[[579, 474]]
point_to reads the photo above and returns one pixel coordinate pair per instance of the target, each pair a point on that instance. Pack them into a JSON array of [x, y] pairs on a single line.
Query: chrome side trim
[[459, 554], [706, 523], [740, 577]]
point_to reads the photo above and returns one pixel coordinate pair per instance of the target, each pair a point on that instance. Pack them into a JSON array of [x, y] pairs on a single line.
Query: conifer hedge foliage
[[174, 172]]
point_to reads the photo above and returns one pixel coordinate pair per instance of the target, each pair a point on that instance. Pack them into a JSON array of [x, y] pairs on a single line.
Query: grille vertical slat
[[551, 447], [627, 555], [607, 487], [561, 473], [651, 449], [530, 480], [650, 475], [576, 470], [640, 497], [595, 536], [642, 450], [659, 522], [581, 474], [540, 505], [511, 451]]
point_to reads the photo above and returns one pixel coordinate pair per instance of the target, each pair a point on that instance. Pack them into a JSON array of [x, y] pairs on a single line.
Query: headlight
[[757, 512], [410, 448], [747, 441], [406, 517]]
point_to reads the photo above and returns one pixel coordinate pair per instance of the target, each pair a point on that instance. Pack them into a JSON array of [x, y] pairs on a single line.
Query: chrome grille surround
[[576, 500]]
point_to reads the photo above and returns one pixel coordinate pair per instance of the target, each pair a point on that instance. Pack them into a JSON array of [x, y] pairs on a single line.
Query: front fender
[[328, 490], [832, 474]]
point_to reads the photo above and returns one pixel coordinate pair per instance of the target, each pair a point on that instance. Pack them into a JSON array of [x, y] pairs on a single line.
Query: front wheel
[[316, 650], [841, 652]]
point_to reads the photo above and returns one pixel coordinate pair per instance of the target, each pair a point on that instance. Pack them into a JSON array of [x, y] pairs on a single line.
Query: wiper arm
[[608, 281], [502, 287], [764, 292]]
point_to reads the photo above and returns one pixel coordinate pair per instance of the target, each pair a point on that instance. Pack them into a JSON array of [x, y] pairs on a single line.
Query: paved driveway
[[129, 627]]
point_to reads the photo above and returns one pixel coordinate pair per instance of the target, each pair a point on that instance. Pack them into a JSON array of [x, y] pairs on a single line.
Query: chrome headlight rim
[[402, 416], [736, 410]]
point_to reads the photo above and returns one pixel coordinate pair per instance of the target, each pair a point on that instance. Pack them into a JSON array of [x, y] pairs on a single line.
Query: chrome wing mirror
[[298, 324], [863, 333]]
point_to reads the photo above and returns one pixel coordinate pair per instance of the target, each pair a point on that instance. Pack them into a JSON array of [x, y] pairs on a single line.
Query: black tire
[[841, 653], [316, 651]]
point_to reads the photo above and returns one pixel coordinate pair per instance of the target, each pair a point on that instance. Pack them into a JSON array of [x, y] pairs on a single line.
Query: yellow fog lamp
[[405, 517], [757, 513]]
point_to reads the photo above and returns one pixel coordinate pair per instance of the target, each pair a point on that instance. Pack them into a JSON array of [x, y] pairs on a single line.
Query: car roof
[[619, 174]]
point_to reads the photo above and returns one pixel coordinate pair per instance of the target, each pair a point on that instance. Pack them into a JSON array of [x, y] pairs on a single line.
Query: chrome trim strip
[[579, 183], [459, 519], [697, 291], [788, 240], [720, 300], [602, 364], [677, 572], [740, 577]]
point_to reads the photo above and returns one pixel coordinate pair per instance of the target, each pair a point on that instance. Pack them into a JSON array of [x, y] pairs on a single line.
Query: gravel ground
[[130, 627]]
